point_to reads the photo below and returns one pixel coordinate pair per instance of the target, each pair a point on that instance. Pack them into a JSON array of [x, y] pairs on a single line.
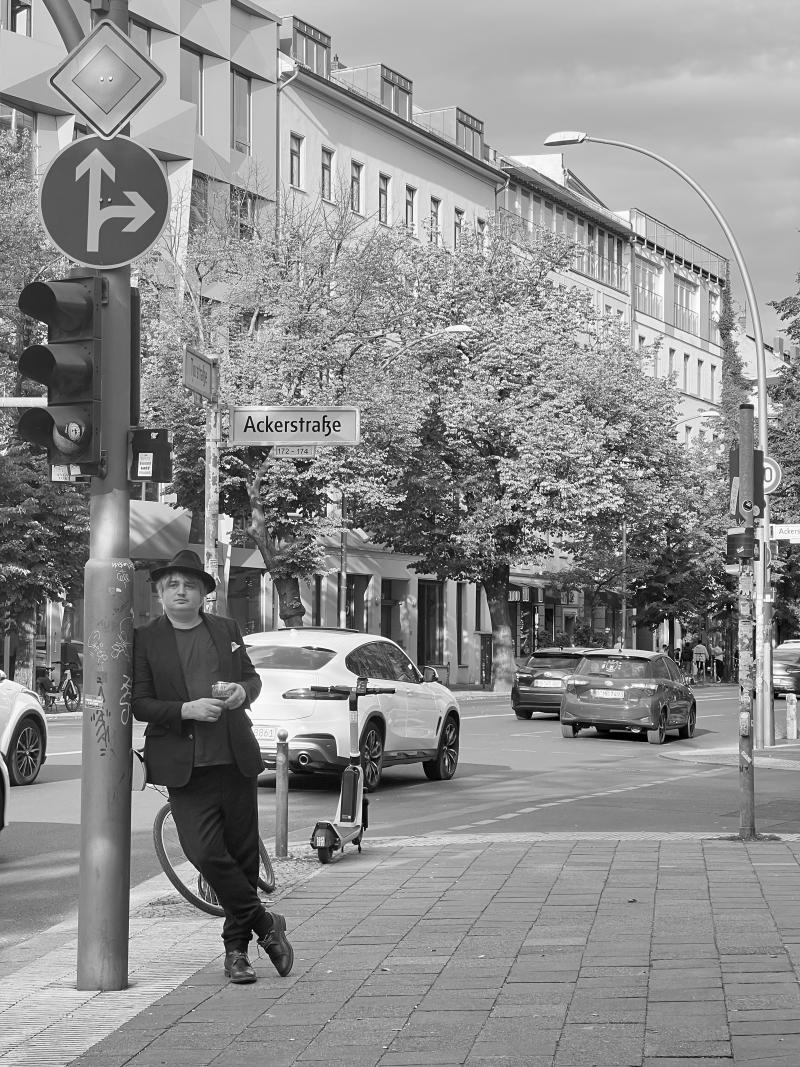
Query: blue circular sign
[[104, 202]]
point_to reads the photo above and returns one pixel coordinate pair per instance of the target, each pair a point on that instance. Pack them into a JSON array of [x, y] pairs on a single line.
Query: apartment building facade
[[259, 108]]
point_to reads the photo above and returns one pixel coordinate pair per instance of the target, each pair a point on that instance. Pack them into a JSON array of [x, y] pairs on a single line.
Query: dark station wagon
[[539, 683]]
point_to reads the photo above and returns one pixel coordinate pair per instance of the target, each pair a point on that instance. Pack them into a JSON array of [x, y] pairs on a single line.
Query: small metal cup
[[219, 690]]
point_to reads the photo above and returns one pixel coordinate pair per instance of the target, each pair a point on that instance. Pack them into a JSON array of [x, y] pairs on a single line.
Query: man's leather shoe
[[277, 947], [238, 969]]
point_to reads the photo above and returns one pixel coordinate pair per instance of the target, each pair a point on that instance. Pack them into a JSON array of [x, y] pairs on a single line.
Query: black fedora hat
[[187, 562]]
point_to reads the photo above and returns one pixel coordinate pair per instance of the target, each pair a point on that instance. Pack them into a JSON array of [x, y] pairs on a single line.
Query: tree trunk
[[25, 670], [496, 586], [290, 606]]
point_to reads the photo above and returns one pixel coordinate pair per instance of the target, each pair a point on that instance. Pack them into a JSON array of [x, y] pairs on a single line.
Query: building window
[[646, 295], [316, 601], [685, 372], [699, 377], [140, 36], [383, 199], [480, 234], [312, 48], [685, 314], [671, 362], [15, 15], [192, 83], [327, 173], [396, 93], [478, 605], [458, 226], [241, 97], [295, 160], [356, 173], [469, 133], [713, 384], [411, 208], [244, 212], [436, 206]]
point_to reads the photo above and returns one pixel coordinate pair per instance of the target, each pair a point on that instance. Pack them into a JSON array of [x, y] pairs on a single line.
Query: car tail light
[[312, 694], [641, 691]]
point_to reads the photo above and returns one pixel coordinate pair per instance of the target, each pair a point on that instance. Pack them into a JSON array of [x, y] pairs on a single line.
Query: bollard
[[791, 717], [282, 795]]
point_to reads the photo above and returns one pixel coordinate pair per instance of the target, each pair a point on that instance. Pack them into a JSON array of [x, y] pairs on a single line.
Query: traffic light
[[69, 365]]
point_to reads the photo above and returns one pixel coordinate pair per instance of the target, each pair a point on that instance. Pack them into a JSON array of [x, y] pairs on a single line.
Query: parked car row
[[613, 690]]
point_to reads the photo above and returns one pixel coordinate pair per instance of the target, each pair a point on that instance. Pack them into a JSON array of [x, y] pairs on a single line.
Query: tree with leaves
[[43, 526]]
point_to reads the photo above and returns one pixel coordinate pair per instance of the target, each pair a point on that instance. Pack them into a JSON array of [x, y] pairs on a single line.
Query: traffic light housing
[[69, 365]]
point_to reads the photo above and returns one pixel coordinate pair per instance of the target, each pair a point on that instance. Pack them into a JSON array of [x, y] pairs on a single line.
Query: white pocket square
[[234, 646]]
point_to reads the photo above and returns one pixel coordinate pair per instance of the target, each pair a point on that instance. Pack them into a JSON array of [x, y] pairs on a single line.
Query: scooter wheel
[[325, 854]]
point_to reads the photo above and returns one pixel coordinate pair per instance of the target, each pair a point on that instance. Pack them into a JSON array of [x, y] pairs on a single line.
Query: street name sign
[[104, 203], [106, 79], [199, 373], [785, 531], [294, 426]]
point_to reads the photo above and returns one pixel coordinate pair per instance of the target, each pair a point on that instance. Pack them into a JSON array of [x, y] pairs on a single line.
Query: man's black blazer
[[159, 690]]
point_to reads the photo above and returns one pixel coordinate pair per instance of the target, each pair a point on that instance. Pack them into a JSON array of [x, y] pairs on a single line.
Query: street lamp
[[765, 732], [456, 329]]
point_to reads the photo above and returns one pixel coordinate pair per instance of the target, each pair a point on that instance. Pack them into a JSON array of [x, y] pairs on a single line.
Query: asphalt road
[[514, 776]]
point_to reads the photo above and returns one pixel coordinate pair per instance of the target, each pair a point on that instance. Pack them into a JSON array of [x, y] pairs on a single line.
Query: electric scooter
[[351, 819]]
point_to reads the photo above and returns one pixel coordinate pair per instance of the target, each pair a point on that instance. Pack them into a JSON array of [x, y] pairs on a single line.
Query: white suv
[[418, 723]]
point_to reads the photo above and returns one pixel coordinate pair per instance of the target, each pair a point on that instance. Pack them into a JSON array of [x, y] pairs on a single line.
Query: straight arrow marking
[[138, 210]]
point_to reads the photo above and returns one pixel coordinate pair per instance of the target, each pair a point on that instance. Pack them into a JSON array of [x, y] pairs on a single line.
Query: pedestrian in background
[[717, 655], [202, 748], [700, 658]]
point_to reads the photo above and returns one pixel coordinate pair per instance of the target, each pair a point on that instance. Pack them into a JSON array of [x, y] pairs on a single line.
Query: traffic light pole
[[104, 893], [747, 818]]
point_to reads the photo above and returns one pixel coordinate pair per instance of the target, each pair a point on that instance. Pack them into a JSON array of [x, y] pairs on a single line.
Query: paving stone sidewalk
[[535, 950]]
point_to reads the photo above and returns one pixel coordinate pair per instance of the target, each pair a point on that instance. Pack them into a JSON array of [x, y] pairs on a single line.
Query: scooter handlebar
[[347, 690]]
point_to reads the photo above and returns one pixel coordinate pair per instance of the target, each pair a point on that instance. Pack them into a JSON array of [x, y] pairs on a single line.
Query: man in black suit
[[203, 749]]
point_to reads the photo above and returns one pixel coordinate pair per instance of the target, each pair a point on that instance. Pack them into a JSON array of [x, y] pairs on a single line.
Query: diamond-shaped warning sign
[[106, 79]]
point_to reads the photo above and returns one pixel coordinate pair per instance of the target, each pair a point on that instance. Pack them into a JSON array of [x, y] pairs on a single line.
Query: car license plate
[[547, 683], [264, 733], [608, 694]]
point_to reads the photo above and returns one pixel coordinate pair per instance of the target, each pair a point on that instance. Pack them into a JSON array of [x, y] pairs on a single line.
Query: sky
[[711, 85]]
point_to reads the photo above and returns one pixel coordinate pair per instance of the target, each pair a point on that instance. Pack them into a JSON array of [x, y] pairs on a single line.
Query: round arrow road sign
[[104, 202]]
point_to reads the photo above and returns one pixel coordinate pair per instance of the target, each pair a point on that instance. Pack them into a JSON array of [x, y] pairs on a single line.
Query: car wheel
[[658, 736], [26, 753], [372, 756], [569, 729], [687, 731], [521, 713], [443, 767]]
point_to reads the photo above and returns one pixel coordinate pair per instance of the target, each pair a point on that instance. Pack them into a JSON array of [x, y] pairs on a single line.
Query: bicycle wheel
[[71, 694], [186, 878], [266, 875]]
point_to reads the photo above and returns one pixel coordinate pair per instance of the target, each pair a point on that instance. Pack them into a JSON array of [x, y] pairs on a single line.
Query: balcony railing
[[581, 259], [648, 302], [685, 319], [603, 270]]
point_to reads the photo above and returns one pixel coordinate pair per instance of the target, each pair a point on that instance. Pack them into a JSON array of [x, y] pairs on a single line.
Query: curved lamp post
[[764, 721]]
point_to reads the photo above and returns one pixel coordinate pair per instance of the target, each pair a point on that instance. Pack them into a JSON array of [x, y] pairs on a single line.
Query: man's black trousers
[[216, 815]]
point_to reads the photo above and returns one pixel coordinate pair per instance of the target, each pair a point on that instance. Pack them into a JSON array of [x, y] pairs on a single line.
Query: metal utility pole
[[211, 528], [343, 569], [747, 817]]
